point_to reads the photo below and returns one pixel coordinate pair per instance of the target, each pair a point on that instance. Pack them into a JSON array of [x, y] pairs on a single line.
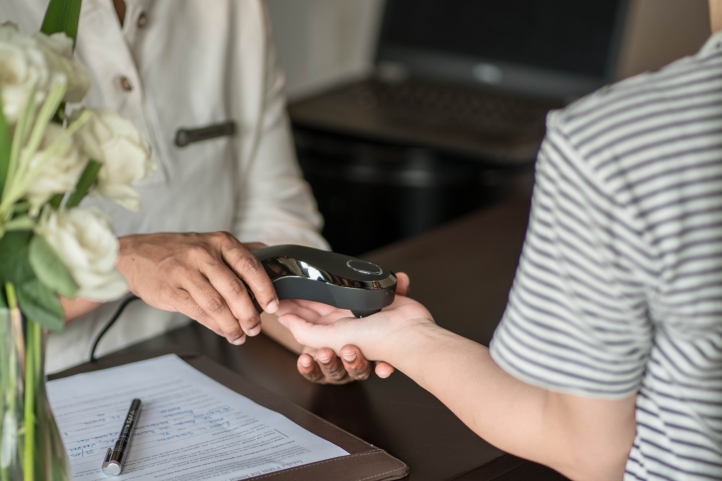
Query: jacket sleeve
[[274, 203]]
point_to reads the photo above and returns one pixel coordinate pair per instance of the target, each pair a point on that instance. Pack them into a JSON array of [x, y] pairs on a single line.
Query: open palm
[[323, 314]]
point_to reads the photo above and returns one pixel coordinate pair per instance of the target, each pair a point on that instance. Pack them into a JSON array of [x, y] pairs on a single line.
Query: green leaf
[[21, 207], [14, 253], [62, 16], [5, 146], [56, 200], [49, 269], [60, 114], [90, 174], [20, 223], [41, 304]]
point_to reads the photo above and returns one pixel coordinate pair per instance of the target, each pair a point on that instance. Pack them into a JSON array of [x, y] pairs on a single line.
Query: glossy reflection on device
[[299, 272]]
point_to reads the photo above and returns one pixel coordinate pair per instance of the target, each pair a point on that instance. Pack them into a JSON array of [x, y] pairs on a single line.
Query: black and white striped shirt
[[619, 287]]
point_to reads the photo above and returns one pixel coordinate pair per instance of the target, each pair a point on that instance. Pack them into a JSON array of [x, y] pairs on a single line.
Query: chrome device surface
[[299, 272]]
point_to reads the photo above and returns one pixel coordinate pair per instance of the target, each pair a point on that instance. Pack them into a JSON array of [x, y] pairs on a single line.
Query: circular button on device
[[364, 267]]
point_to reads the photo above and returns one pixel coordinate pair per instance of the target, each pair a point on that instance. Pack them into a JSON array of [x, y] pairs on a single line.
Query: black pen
[[114, 458]]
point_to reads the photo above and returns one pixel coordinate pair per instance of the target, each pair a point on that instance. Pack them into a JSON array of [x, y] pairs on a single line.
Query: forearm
[[463, 376], [517, 417], [75, 308]]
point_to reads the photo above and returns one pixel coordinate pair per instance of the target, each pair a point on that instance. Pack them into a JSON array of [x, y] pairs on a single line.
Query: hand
[[323, 365], [379, 337], [202, 276]]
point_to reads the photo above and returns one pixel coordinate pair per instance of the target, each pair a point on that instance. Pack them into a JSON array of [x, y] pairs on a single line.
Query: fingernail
[[239, 341], [349, 356], [254, 330], [305, 361], [324, 359], [272, 306]]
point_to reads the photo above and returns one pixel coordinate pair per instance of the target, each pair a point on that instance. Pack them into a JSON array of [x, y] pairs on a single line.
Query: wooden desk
[[462, 273]]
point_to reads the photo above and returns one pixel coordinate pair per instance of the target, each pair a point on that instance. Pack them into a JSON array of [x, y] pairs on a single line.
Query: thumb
[[402, 284]]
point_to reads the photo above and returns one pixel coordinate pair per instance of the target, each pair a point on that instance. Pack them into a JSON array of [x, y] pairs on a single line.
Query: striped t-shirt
[[619, 286]]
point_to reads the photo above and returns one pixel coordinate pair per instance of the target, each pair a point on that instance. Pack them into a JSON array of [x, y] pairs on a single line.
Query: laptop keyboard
[[452, 108]]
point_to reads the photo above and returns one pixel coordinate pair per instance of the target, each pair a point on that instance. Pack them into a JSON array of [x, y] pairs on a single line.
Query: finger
[[249, 268], [215, 307], [309, 369], [402, 283], [184, 303], [228, 285], [323, 309], [294, 307], [384, 369], [331, 366], [356, 365], [316, 335], [315, 312], [306, 333]]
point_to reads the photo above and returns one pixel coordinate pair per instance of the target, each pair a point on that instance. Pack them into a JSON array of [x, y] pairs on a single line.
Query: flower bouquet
[[50, 247]]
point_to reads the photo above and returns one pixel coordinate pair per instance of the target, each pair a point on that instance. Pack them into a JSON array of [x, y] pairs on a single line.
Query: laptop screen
[[572, 36]]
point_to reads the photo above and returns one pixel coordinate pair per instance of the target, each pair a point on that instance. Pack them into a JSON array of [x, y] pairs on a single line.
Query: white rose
[[124, 152], [22, 65], [37, 61], [58, 49], [59, 174], [83, 240]]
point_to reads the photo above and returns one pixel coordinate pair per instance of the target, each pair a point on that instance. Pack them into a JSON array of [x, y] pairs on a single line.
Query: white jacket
[[188, 64]]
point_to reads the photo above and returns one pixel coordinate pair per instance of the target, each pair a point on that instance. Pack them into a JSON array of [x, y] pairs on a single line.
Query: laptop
[[473, 77]]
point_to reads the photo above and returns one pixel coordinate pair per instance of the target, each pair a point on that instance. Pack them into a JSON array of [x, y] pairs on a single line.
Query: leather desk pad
[[365, 462]]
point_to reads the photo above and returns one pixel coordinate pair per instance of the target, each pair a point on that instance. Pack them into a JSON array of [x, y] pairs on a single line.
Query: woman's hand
[[320, 326], [324, 366]]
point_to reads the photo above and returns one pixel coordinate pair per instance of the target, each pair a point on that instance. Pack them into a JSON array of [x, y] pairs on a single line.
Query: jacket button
[[125, 84], [142, 20]]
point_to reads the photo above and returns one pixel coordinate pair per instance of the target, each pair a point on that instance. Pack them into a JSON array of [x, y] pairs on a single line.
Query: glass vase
[[31, 448]]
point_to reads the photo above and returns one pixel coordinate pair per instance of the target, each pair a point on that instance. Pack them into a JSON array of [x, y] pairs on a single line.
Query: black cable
[[110, 323]]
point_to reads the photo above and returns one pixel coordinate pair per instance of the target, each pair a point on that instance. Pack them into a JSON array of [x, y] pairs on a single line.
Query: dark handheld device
[[338, 280]]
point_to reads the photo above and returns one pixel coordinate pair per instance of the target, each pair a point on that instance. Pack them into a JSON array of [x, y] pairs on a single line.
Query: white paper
[[190, 428]]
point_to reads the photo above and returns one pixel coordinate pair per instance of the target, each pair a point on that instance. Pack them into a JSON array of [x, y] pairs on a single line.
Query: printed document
[[191, 427]]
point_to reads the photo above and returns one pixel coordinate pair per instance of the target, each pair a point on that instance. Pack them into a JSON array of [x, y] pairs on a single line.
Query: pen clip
[[184, 137], [110, 468], [108, 454]]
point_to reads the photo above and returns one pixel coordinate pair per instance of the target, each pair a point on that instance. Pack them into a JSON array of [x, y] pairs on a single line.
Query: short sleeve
[[577, 319]]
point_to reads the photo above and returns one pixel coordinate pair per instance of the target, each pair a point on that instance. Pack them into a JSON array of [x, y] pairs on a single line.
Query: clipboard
[[365, 462]]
